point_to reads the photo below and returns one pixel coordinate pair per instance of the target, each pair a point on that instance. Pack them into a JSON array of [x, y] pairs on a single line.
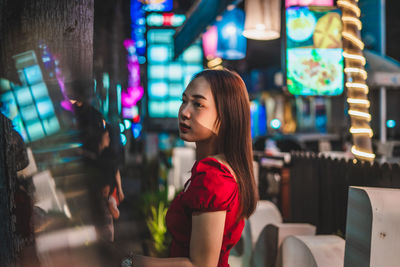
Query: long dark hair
[[234, 137]]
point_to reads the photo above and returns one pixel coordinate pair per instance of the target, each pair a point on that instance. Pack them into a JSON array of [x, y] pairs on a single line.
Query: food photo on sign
[[314, 60]]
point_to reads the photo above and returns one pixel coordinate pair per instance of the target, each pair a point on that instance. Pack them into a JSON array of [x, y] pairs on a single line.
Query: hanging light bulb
[[263, 19], [231, 43]]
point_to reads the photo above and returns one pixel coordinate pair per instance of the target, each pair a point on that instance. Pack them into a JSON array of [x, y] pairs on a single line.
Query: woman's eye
[[197, 104]]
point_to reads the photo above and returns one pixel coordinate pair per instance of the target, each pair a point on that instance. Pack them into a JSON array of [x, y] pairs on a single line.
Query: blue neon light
[[121, 127], [275, 124], [123, 139], [391, 123], [136, 130], [127, 124]]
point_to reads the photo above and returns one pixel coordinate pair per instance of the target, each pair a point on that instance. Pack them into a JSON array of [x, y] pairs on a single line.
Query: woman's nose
[[184, 112]]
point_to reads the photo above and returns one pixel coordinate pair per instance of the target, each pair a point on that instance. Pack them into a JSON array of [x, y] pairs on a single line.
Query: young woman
[[207, 218]]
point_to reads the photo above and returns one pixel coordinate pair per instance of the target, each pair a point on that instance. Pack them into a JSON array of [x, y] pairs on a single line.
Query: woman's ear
[[217, 125]]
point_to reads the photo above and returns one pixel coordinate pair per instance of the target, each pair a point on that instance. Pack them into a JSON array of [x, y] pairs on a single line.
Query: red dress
[[210, 188]]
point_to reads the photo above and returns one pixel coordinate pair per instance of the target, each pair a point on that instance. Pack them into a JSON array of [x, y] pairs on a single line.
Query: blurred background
[[135, 58]]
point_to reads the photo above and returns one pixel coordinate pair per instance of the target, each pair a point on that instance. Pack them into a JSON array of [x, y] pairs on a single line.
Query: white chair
[[311, 251], [256, 170], [373, 227], [47, 197], [240, 255], [31, 169], [266, 213], [183, 159], [270, 239]]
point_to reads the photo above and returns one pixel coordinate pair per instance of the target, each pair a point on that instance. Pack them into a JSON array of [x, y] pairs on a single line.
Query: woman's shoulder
[[212, 164], [211, 167], [212, 187]]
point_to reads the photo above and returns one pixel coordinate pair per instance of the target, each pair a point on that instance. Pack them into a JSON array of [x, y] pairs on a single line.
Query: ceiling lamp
[[263, 19], [210, 42], [231, 43]]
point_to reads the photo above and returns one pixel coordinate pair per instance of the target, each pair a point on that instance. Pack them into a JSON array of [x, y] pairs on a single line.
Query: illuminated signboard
[[289, 3], [29, 105], [168, 78], [314, 60], [157, 5]]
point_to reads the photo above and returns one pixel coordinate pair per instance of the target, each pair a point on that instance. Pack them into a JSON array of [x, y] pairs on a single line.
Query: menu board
[[314, 53]]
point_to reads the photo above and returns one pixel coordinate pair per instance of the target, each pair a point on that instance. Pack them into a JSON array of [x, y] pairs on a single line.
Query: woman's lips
[[183, 128]]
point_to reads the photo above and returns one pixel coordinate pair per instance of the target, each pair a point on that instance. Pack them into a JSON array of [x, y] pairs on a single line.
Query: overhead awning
[[382, 70], [201, 14]]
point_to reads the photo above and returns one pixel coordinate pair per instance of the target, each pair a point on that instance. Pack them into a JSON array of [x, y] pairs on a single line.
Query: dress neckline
[[223, 165]]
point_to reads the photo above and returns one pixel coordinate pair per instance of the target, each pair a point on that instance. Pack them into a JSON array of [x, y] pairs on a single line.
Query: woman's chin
[[185, 137]]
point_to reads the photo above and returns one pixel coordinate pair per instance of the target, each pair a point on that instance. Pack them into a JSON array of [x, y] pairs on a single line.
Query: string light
[[363, 154], [361, 86], [215, 63], [355, 62], [362, 72], [352, 56], [357, 101], [360, 114], [352, 38], [352, 20], [350, 6], [361, 131]]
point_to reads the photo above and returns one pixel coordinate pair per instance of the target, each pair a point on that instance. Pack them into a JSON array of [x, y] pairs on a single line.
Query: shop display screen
[[314, 53]]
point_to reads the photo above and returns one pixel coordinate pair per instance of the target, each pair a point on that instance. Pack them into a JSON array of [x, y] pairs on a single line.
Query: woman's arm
[[121, 195], [205, 244]]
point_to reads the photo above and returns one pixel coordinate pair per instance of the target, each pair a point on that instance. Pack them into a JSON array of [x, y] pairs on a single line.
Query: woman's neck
[[206, 148]]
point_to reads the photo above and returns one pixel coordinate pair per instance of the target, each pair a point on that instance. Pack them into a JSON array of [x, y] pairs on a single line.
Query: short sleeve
[[211, 188]]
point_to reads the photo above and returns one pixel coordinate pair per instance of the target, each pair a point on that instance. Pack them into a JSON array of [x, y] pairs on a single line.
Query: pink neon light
[[210, 42], [131, 96], [65, 104], [134, 92], [308, 3], [128, 43]]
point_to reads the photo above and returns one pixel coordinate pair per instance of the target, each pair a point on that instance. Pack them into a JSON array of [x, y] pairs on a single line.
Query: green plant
[[149, 199], [157, 226]]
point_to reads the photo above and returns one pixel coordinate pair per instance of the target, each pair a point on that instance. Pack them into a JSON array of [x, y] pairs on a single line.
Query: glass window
[[39, 90], [193, 54], [33, 74], [158, 53], [29, 113], [175, 72], [154, 19], [160, 36], [51, 125], [173, 108], [193, 69], [24, 96], [157, 109], [45, 108], [157, 72], [35, 130], [158, 89], [175, 90]]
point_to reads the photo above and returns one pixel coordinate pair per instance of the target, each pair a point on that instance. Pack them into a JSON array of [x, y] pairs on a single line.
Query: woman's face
[[198, 113]]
